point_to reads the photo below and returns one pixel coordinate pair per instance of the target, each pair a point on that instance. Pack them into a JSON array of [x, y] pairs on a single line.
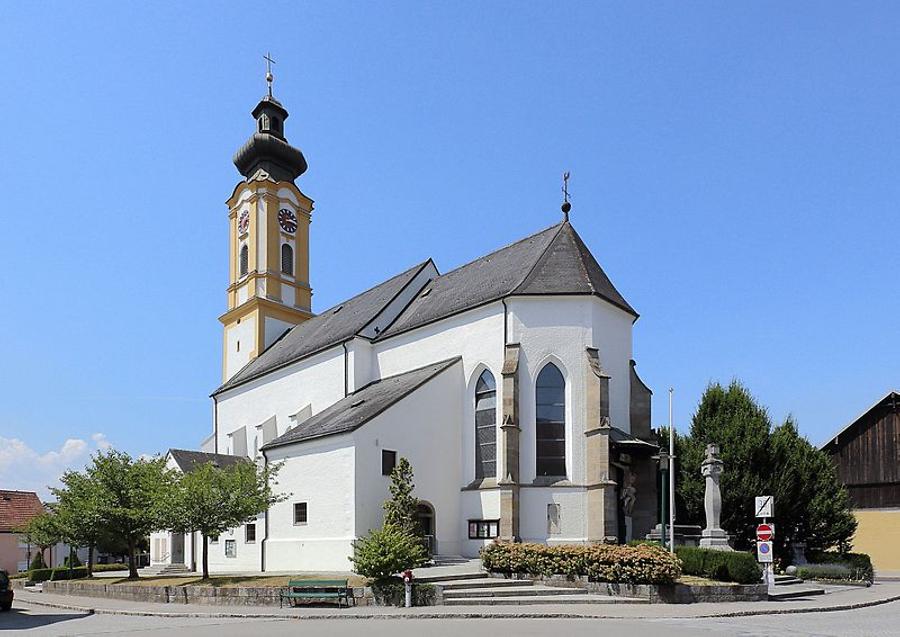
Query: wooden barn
[[867, 455]]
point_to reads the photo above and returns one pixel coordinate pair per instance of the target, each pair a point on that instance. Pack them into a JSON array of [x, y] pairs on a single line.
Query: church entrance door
[[425, 520], [178, 548]]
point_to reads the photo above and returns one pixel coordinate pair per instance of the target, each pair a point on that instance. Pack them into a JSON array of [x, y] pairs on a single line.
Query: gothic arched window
[[485, 426], [245, 259], [287, 259], [551, 422]]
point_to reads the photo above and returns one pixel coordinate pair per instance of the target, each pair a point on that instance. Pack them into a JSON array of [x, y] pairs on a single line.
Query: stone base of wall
[[655, 593], [209, 595]]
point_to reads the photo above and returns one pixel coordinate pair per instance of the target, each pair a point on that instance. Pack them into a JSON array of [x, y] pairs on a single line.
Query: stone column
[[602, 513], [509, 446], [713, 537]]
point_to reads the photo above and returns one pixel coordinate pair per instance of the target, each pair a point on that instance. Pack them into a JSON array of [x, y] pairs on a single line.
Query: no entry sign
[[764, 532]]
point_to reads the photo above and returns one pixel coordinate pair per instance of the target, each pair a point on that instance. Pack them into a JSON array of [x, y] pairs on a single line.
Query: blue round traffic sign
[[764, 547]]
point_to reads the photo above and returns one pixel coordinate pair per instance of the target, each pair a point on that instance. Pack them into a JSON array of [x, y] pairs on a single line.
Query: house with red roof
[[16, 509]]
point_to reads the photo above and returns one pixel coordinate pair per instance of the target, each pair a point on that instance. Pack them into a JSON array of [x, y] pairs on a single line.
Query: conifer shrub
[[643, 564], [723, 566], [37, 562]]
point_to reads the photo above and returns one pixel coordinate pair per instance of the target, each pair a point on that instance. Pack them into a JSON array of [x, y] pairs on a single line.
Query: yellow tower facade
[[268, 218]]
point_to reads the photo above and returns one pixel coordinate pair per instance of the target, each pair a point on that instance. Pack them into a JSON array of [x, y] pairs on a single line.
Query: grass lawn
[[226, 581]]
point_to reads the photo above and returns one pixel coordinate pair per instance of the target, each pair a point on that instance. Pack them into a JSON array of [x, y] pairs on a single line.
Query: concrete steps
[[790, 587], [155, 570], [489, 591]]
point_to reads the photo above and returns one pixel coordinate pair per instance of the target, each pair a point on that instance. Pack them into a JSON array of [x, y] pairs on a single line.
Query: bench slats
[[317, 589]]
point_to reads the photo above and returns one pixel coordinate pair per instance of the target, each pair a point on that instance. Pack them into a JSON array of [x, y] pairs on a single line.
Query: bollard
[[407, 580]]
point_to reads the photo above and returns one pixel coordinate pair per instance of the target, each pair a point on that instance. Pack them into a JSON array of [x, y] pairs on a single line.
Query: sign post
[[765, 532]]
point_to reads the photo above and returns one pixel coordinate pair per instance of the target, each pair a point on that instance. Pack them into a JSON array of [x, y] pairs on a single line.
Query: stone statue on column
[[713, 537]]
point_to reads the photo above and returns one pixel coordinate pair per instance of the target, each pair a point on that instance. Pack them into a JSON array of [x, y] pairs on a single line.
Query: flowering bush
[[643, 564]]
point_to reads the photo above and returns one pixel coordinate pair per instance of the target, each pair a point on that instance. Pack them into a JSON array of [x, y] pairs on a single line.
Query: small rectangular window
[[484, 529], [300, 513], [250, 533], [388, 462], [213, 539], [230, 548]]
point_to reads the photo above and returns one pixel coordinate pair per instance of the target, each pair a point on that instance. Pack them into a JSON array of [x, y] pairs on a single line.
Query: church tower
[[268, 241]]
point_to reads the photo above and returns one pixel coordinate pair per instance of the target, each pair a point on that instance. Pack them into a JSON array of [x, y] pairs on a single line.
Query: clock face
[[244, 222], [287, 220]]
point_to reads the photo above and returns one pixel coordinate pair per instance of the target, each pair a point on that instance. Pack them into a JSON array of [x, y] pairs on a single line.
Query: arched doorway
[[425, 520]]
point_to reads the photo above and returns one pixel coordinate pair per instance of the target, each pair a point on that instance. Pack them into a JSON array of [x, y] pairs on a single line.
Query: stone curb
[[460, 615]]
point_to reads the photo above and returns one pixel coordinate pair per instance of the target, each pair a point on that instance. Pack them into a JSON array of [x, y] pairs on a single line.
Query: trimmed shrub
[[40, 574], [724, 566], [392, 592], [644, 564], [386, 552], [825, 571], [859, 564], [62, 573], [102, 568], [75, 561]]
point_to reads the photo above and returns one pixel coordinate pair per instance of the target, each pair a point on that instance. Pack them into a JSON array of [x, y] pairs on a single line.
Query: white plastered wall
[[423, 427], [320, 473], [245, 334], [317, 381]]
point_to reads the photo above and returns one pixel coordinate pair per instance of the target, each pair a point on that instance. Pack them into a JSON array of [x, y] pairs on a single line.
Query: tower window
[[287, 259], [245, 259]]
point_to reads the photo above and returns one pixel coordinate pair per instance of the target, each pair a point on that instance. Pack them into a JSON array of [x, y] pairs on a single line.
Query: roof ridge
[[507, 246], [539, 257], [387, 280]]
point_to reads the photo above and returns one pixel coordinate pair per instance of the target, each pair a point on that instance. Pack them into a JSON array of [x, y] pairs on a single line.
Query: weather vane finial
[[269, 76], [566, 206]]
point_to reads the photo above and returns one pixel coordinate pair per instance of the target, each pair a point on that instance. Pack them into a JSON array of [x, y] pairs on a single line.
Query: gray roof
[[625, 439], [188, 460], [352, 412], [554, 261], [332, 327]]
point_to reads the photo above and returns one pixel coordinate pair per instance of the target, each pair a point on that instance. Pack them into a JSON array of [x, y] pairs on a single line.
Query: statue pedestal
[[628, 528], [715, 539]]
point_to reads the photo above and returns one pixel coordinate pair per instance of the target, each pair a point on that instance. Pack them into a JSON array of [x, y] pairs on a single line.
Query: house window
[[213, 539], [485, 426], [551, 422], [245, 259], [300, 513], [484, 529], [388, 462], [287, 259], [230, 548], [250, 533]]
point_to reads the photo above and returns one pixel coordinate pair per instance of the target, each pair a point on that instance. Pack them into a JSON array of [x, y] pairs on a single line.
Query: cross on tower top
[[269, 77], [566, 206]]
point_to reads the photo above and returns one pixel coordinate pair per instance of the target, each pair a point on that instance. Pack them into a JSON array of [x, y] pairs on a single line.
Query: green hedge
[[55, 574], [724, 566], [600, 562], [102, 568], [859, 564]]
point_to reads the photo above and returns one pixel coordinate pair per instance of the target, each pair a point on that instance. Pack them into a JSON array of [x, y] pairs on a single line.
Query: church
[[508, 383]]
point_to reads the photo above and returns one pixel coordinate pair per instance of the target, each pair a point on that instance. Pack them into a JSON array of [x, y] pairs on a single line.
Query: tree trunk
[[205, 557], [90, 560], [71, 560], [132, 567]]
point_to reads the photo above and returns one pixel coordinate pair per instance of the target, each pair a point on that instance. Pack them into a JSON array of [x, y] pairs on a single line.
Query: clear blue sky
[[734, 169]]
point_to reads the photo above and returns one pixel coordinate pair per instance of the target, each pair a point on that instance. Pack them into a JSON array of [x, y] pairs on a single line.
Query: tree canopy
[[811, 505], [211, 499]]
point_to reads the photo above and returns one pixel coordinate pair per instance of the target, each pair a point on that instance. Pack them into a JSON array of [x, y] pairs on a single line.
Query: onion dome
[[267, 148]]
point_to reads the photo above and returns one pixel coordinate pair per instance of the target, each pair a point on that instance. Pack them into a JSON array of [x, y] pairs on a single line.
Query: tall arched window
[[551, 422], [245, 259], [287, 259], [485, 426]]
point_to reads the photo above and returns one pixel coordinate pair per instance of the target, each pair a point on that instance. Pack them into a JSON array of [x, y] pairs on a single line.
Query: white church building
[[508, 383]]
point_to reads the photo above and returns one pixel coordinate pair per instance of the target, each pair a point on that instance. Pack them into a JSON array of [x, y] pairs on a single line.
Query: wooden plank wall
[[868, 459]]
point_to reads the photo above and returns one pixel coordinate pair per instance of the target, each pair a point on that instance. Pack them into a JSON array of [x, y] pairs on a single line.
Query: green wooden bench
[[298, 589]]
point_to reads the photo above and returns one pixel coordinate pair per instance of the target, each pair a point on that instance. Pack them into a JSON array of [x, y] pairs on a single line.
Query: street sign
[[764, 552], [764, 532], [764, 506]]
